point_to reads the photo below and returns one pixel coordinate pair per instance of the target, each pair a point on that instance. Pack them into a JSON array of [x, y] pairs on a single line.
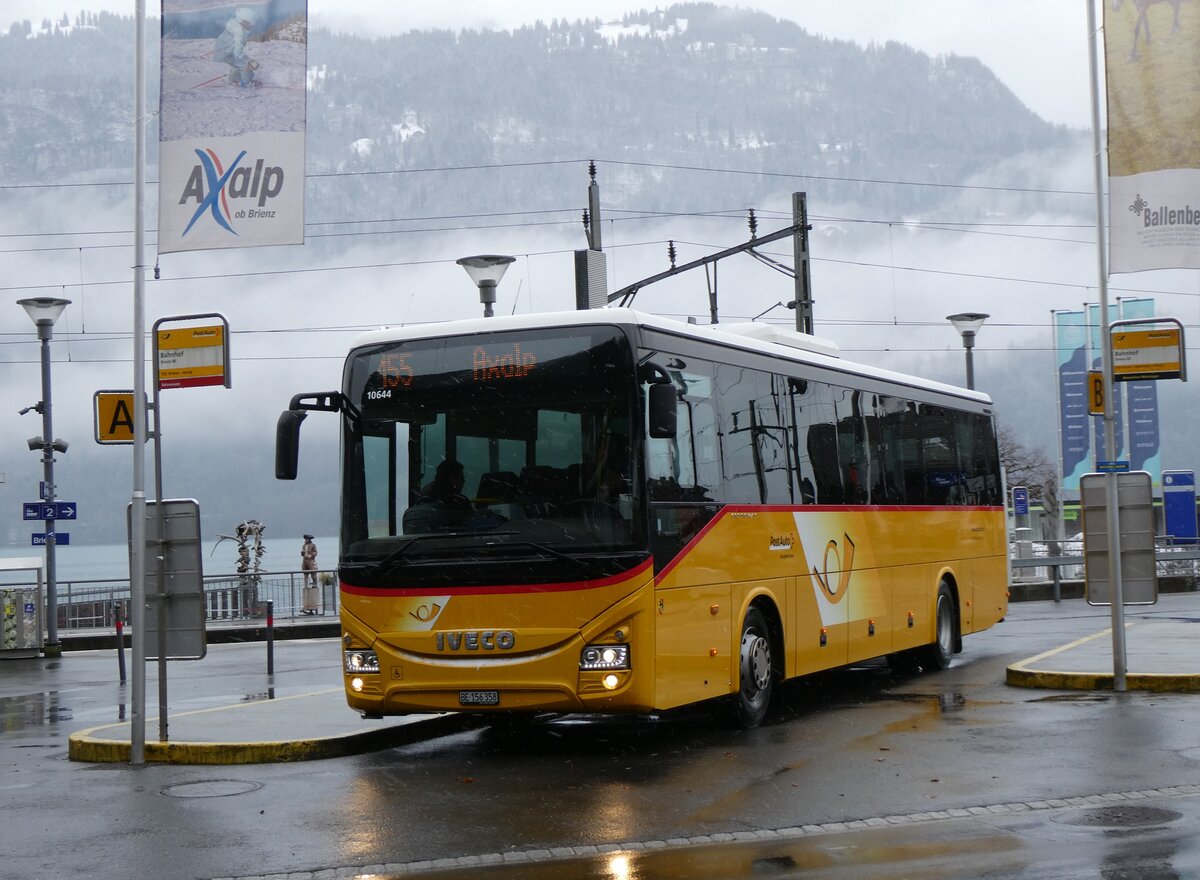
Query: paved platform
[[299, 727], [305, 717], [1161, 655]]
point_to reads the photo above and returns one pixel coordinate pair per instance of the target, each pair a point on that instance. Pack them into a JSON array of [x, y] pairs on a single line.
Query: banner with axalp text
[[1153, 138], [231, 124]]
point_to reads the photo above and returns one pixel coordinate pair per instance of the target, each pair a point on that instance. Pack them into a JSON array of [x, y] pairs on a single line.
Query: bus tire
[[756, 676], [945, 632]]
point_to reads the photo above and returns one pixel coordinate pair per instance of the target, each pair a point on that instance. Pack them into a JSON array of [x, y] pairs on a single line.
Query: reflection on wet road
[[1131, 840]]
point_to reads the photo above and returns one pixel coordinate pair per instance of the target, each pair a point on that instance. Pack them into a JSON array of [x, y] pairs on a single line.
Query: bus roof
[[769, 339]]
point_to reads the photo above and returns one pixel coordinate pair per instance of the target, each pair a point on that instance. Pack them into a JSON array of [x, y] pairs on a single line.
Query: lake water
[[76, 562]]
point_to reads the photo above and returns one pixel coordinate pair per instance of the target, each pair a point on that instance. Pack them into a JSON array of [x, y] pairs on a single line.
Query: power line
[[784, 175]]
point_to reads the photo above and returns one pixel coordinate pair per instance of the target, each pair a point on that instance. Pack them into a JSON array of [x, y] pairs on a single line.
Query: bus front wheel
[[756, 675], [938, 655]]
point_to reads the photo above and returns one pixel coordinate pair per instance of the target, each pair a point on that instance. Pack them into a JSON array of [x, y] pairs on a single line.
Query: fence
[[92, 604], [1049, 561]]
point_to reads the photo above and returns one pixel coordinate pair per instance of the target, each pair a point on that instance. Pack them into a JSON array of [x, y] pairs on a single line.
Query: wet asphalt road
[[862, 746]]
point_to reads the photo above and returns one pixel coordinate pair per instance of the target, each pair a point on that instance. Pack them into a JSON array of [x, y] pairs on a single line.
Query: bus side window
[[683, 472], [686, 467], [852, 445], [753, 439], [815, 442], [944, 482]]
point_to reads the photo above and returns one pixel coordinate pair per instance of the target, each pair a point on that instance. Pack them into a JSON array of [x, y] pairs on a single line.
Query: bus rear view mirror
[[287, 444], [662, 400]]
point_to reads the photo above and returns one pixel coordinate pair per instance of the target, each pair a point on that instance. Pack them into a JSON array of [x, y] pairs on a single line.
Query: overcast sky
[[1037, 47], [882, 289]]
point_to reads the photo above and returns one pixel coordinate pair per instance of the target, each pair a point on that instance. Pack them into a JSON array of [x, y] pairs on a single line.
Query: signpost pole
[[137, 531], [1110, 430]]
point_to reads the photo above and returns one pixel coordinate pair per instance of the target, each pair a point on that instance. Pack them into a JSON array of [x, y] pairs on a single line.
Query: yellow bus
[[608, 511]]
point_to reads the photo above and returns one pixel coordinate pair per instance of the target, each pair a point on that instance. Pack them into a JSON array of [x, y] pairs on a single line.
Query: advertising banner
[[1070, 344], [1153, 139], [231, 124], [1142, 399]]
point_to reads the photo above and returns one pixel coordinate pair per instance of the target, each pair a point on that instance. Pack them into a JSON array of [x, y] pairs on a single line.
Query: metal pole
[[160, 578], [1111, 495], [969, 345], [487, 296], [137, 512], [804, 303], [53, 647], [270, 637]]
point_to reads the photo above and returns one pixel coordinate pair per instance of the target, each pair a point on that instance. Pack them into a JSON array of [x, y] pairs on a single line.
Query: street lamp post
[[968, 324], [44, 311], [486, 271]]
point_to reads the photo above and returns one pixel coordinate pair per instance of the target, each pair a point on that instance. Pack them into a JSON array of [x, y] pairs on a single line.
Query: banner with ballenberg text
[[231, 124], [1153, 136], [1141, 399], [1070, 344], [1095, 334]]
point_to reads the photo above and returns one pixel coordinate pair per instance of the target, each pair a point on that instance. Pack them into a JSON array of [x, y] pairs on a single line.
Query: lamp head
[[44, 310], [967, 323], [486, 270]]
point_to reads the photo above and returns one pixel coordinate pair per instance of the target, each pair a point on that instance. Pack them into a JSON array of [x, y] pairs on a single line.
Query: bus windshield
[[512, 446]]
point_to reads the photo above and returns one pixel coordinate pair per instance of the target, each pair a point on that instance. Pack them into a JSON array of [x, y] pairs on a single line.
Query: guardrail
[[98, 604], [1171, 560]]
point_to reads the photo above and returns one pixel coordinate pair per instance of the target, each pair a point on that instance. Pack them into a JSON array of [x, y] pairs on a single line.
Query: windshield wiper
[[544, 550], [385, 565]]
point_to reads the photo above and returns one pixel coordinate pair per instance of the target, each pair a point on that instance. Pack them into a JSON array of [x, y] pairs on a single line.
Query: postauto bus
[[608, 511]]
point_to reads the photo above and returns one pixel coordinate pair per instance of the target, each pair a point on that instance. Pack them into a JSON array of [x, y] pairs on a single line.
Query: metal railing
[[93, 604], [1171, 560]]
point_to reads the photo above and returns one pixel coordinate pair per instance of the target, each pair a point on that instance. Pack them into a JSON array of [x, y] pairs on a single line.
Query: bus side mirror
[[662, 400], [287, 444]]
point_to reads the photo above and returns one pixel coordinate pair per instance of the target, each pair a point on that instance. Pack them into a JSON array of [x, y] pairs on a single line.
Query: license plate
[[479, 698]]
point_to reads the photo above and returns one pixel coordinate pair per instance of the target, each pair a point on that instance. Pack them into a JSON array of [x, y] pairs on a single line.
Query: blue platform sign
[[61, 539], [1020, 500], [1112, 467], [1179, 505], [49, 510]]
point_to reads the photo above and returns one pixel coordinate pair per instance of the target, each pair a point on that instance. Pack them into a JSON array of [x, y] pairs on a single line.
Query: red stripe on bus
[[563, 587], [812, 508]]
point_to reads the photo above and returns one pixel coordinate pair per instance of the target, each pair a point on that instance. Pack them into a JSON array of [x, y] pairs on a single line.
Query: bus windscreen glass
[[512, 445]]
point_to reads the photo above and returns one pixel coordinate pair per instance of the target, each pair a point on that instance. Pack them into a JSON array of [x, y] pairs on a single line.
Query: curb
[[84, 746], [1021, 675]]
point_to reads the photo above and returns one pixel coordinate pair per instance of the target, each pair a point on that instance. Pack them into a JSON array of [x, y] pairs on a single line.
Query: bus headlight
[[604, 657], [361, 662]]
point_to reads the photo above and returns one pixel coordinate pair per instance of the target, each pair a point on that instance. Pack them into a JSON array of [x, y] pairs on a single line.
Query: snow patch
[[614, 30]]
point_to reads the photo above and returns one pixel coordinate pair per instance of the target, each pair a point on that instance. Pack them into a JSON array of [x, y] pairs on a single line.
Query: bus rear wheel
[[938, 655], [755, 671]]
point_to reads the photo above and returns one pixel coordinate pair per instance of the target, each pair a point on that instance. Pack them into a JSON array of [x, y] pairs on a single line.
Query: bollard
[[270, 637], [121, 648]]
